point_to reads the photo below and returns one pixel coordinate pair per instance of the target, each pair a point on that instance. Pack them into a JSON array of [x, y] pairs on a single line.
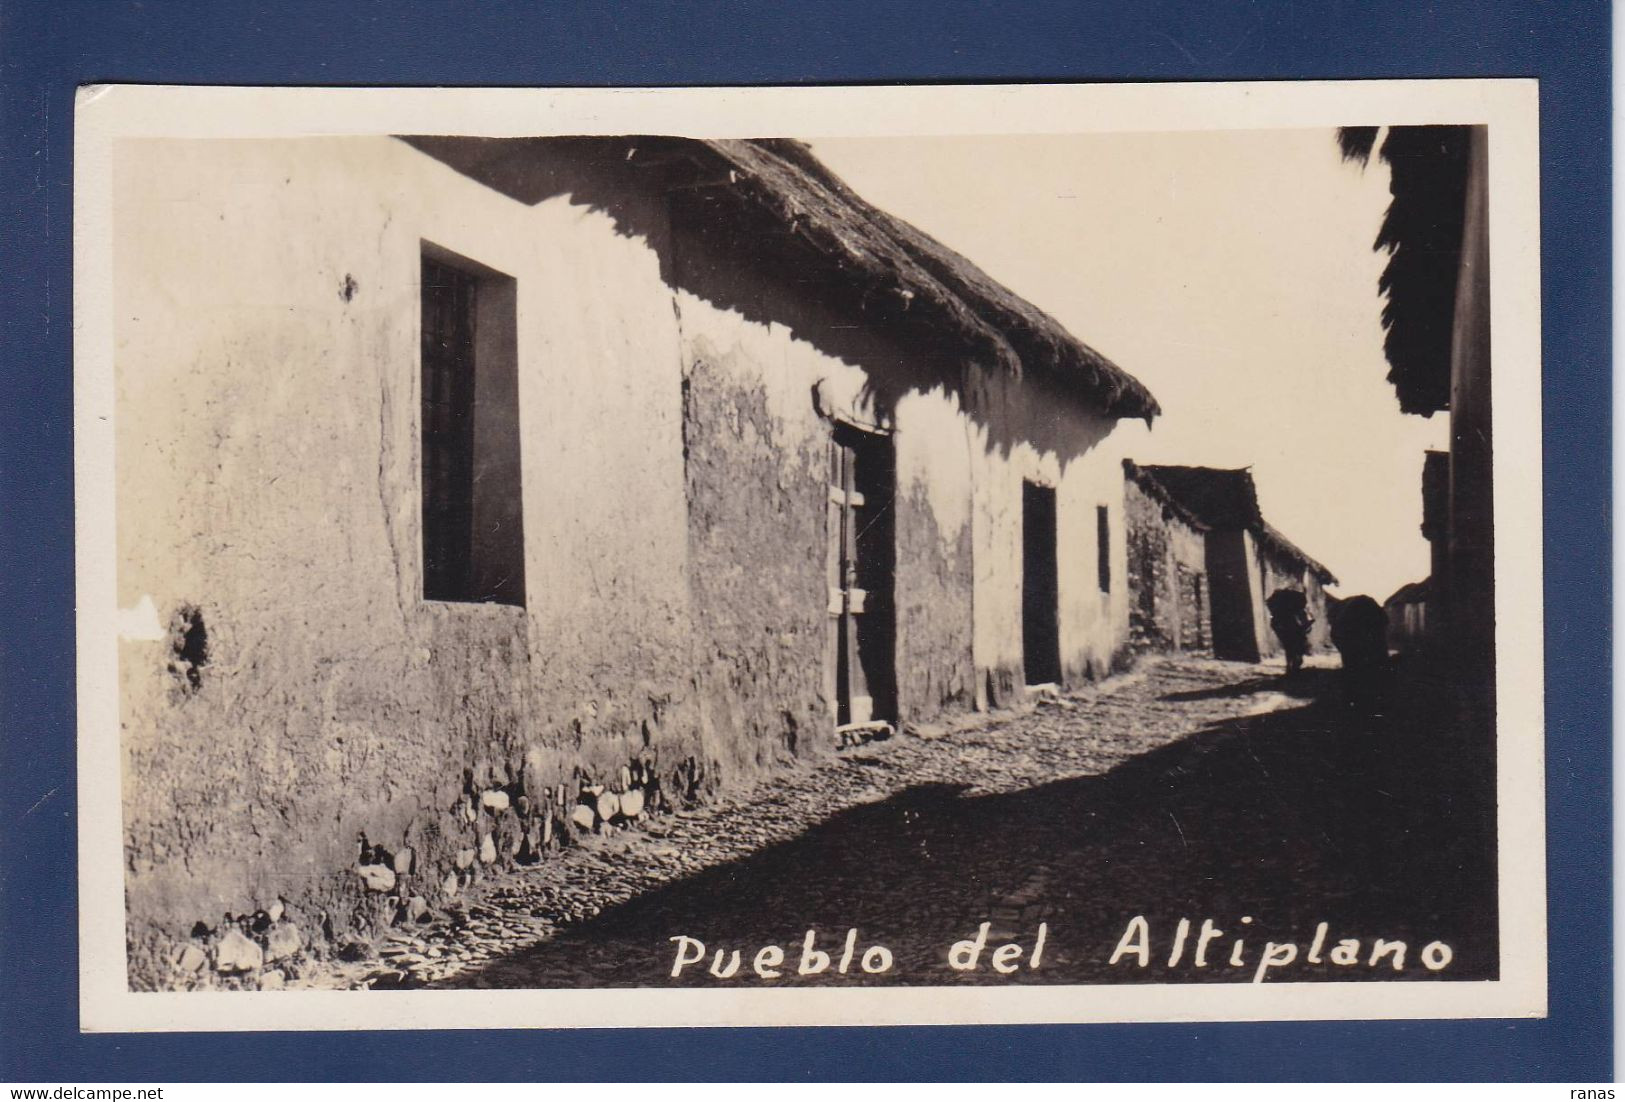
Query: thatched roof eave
[[776, 187], [1271, 537], [783, 177]]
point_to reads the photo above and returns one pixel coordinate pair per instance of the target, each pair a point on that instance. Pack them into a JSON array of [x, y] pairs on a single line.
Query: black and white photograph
[[853, 556]]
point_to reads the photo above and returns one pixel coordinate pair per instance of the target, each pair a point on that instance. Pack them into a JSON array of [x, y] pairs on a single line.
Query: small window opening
[[473, 520], [1103, 547]]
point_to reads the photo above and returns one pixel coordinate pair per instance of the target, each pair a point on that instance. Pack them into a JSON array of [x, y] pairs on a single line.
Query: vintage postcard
[[768, 556]]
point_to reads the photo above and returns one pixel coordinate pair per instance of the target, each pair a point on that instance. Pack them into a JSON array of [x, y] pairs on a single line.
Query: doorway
[[860, 672], [1040, 586]]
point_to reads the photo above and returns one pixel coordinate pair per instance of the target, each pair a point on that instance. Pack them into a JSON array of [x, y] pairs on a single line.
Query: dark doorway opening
[[861, 651], [1040, 586]]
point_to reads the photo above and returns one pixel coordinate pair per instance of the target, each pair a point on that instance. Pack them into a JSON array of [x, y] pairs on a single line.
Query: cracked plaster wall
[[267, 397], [1165, 557], [672, 463]]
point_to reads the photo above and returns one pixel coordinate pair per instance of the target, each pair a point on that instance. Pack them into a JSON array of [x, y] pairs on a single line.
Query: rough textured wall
[[295, 716], [765, 386], [1029, 430], [1168, 584], [1272, 575], [935, 579], [304, 737], [1262, 581], [1279, 572], [1320, 632], [756, 537]]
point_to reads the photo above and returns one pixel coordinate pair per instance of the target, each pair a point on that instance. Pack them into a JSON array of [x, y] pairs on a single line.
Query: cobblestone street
[[1189, 789]]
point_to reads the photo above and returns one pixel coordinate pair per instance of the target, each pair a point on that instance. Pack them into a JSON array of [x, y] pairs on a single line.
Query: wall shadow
[[1307, 684], [740, 257], [1372, 823]]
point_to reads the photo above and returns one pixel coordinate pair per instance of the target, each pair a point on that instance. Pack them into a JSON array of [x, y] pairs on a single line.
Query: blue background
[[47, 47]]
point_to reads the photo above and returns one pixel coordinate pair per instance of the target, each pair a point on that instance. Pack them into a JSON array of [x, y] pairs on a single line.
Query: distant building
[[1244, 559], [1167, 569]]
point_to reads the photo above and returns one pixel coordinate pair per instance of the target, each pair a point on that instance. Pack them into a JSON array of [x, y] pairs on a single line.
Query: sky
[[1231, 272]]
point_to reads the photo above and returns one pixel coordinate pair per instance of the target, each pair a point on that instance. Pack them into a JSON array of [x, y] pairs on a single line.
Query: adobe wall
[[1029, 430], [267, 441], [1167, 566], [1320, 632], [1273, 574], [765, 386], [1282, 573], [341, 751]]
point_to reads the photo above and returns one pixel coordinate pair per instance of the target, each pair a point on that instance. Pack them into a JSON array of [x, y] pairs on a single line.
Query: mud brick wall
[[304, 736], [1194, 621], [756, 547], [769, 369], [1168, 584], [311, 750], [1320, 633], [1280, 572]]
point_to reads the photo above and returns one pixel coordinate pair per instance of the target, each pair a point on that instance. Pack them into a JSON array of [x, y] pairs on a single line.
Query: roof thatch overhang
[[1422, 234], [1159, 493], [793, 205], [1272, 539]]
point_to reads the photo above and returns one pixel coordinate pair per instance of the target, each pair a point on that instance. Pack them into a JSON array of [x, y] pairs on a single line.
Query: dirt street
[[1190, 789]]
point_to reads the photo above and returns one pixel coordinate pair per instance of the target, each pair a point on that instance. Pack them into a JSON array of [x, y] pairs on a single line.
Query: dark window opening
[[473, 521], [1040, 586], [1103, 547]]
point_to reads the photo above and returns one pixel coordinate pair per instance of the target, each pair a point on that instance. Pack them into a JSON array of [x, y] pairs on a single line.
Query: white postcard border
[[1510, 107]]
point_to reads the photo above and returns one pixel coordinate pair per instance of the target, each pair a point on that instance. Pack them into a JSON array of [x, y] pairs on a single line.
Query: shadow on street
[[1375, 819]]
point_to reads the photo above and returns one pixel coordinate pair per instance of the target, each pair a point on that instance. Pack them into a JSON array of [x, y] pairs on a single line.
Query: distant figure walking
[[1289, 616], [1360, 633]]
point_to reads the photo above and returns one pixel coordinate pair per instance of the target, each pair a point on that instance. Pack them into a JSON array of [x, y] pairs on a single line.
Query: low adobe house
[[1243, 559], [477, 492], [1167, 569]]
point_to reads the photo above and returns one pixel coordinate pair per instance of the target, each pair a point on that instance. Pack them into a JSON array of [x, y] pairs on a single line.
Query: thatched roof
[[1271, 538], [803, 193], [1422, 232], [901, 270], [1221, 499], [1159, 493], [1227, 500]]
